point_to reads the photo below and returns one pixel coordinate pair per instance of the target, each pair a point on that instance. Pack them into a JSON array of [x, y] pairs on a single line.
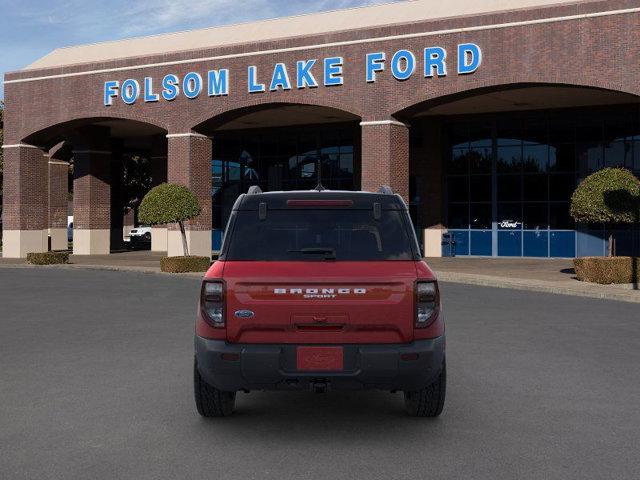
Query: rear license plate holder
[[320, 359]]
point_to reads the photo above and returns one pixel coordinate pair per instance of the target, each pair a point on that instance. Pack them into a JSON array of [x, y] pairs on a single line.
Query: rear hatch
[[323, 267], [319, 302]]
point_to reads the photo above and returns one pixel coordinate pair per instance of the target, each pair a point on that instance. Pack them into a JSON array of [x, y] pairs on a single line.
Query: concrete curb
[[574, 287], [112, 268]]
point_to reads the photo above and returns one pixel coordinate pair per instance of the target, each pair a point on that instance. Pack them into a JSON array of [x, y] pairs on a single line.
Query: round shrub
[[607, 270], [168, 203], [185, 264], [48, 258], [611, 195]]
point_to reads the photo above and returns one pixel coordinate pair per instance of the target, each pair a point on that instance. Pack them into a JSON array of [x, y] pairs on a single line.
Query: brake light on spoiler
[[319, 203]]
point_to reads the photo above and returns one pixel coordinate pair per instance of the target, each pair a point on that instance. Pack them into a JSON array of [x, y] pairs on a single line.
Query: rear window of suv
[[311, 235]]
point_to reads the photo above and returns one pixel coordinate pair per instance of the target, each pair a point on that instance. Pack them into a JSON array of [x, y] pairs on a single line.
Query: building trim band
[[190, 134], [21, 145], [383, 122]]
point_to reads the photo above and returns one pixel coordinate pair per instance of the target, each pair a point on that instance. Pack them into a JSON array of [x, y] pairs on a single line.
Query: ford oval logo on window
[[244, 313]]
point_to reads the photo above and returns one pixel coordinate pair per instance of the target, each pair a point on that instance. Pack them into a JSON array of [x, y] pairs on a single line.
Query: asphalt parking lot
[[95, 382]]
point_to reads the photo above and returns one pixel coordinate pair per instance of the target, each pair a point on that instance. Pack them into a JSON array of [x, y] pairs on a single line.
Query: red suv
[[320, 290]]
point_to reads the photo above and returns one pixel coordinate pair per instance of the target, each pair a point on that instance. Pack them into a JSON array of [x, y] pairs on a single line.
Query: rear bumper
[[273, 367]]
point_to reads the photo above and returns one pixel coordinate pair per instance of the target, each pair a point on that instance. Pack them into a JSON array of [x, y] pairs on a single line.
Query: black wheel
[[429, 401], [147, 236], [210, 401]]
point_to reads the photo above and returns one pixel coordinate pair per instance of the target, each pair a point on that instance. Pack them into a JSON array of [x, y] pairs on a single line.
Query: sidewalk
[[125, 261], [537, 275]]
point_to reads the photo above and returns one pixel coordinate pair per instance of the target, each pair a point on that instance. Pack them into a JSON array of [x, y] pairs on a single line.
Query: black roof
[[361, 200]]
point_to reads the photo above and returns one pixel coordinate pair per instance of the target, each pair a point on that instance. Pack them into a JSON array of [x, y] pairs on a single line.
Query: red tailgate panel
[[320, 303], [320, 359]]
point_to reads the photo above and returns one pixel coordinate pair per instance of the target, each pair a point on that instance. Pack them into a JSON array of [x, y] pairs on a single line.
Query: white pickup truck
[[139, 237]]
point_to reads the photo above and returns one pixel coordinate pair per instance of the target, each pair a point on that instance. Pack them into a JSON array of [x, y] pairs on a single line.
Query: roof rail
[[385, 190], [253, 190]]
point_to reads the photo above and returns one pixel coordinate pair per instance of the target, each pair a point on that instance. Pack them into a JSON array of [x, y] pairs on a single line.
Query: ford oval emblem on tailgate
[[244, 313]]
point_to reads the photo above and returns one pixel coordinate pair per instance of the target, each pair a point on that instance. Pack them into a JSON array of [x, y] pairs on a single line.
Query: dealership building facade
[[483, 115]]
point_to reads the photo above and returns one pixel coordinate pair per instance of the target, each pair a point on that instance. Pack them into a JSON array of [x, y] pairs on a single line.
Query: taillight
[[427, 303], [212, 302]]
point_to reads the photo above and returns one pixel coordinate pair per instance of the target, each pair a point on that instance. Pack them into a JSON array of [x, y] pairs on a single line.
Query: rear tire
[[429, 401], [210, 401]]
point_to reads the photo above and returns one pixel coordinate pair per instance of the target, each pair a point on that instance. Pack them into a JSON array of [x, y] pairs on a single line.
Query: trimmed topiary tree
[[170, 203], [611, 195]]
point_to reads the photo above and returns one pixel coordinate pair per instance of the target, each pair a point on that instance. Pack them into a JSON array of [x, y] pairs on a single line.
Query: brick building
[[484, 115]]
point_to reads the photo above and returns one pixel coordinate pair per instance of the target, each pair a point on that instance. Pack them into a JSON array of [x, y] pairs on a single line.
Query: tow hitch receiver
[[319, 386]]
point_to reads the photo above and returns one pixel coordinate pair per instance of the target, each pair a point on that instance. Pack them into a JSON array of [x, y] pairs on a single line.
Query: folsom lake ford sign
[[309, 73]]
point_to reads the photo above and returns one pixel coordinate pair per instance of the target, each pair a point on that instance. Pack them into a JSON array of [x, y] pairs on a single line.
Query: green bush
[[185, 264], [611, 195], [48, 258], [607, 270]]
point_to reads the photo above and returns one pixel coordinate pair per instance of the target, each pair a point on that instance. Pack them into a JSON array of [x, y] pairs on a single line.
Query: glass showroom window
[[509, 178]]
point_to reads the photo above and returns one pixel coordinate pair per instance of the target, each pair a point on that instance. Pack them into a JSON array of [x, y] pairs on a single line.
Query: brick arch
[[456, 92], [47, 136], [217, 118]]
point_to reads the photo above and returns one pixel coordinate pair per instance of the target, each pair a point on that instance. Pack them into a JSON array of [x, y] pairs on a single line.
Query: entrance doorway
[[284, 158]]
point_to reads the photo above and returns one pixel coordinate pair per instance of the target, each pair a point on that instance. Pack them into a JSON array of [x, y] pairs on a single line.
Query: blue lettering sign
[[469, 58], [254, 86], [149, 96], [110, 92], [192, 85], [280, 78], [304, 77], [403, 64], [434, 59], [375, 63], [218, 82], [170, 87], [130, 91], [333, 71]]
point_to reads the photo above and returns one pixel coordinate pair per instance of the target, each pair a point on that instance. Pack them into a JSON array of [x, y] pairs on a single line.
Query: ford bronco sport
[[319, 290]]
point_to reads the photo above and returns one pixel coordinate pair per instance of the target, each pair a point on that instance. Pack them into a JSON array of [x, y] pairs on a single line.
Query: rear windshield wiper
[[329, 253]]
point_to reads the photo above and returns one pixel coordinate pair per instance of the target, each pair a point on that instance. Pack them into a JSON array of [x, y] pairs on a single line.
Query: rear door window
[[301, 235]]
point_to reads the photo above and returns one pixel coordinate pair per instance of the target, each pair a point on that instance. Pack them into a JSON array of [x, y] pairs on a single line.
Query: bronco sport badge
[[319, 292]]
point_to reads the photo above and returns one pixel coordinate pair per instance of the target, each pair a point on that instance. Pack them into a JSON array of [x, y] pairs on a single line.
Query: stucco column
[[92, 193], [25, 210], [58, 191], [159, 175], [385, 156], [189, 164]]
